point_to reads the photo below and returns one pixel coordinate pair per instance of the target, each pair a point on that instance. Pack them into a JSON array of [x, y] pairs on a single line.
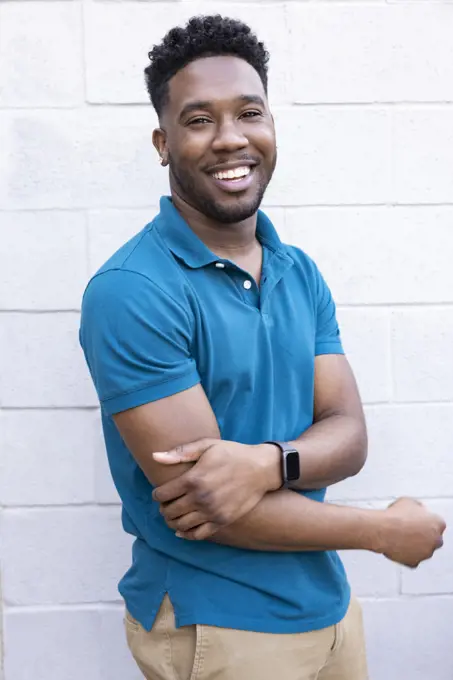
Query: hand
[[226, 482], [414, 533]]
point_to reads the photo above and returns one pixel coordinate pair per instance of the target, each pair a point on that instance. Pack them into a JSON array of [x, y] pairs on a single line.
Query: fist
[[413, 532]]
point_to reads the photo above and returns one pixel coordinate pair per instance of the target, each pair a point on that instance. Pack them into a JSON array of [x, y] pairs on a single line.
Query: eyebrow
[[206, 104]]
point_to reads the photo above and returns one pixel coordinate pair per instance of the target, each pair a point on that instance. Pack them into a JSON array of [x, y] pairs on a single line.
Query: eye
[[199, 120], [251, 114]]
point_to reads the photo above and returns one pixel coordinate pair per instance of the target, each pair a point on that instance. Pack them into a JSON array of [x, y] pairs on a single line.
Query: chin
[[233, 211]]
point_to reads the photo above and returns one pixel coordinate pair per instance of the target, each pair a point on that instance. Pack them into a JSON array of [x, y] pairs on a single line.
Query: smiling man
[[228, 405]]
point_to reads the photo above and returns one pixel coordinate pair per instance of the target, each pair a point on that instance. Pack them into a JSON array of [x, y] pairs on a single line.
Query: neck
[[225, 240]]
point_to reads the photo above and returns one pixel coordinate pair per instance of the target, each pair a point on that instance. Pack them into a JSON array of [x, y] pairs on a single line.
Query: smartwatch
[[290, 462]]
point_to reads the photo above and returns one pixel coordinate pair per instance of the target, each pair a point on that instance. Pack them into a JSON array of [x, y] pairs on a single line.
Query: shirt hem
[[263, 626]]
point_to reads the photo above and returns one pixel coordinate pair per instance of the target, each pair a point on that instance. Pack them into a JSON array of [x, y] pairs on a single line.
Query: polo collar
[[180, 238], [186, 245]]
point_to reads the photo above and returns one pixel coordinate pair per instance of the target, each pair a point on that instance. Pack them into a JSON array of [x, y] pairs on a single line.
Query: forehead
[[219, 78]]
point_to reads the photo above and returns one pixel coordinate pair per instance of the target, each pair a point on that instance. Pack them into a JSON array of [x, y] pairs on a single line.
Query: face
[[217, 135]]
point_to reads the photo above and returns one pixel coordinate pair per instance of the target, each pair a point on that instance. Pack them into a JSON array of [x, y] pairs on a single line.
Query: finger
[[171, 490], [187, 523], [186, 453], [182, 506], [201, 533]]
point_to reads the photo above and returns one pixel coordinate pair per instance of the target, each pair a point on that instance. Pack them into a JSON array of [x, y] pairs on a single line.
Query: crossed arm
[[229, 473], [228, 492]]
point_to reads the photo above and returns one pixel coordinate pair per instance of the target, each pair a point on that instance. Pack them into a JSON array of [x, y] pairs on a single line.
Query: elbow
[[359, 451]]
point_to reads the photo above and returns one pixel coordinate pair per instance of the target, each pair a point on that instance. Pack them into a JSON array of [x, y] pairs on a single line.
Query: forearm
[[331, 450], [286, 521]]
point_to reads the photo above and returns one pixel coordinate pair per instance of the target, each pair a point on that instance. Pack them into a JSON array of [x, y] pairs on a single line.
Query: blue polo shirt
[[165, 313]]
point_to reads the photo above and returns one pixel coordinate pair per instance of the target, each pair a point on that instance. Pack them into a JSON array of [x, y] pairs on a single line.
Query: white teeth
[[232, 174]]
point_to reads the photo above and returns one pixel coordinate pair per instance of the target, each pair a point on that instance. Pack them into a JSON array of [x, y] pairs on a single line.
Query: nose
[[229, 137]]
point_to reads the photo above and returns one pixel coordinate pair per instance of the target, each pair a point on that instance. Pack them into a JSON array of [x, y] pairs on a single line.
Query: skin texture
[[218, 116]]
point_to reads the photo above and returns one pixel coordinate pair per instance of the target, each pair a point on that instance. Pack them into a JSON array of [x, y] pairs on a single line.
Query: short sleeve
[[136, 340], [328, 340]]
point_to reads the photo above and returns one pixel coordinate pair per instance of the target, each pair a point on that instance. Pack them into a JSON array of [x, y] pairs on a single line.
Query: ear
[[160, 144]]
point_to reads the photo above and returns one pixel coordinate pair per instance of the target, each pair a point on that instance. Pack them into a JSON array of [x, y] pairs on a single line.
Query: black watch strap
[[290, 462]]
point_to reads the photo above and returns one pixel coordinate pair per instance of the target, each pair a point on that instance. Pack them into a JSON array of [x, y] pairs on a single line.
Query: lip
[[232, 165], [235, 186]]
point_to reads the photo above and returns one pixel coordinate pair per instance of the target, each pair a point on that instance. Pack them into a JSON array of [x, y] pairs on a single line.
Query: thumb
[[186, 453]]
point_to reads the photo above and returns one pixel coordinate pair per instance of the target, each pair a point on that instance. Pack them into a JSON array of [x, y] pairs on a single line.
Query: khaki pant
[[210, 653]]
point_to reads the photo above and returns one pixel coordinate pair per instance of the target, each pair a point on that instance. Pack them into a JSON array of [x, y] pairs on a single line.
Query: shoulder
[[305, 266], [143, 269]]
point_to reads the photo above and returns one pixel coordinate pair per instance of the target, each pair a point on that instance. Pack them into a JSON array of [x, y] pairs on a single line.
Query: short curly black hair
[[203, 36]]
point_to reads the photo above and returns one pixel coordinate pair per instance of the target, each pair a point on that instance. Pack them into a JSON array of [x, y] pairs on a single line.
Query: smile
[[233, 174], [234, 180]]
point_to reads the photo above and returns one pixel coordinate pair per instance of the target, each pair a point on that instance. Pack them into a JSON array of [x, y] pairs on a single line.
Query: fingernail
[[179, 534]]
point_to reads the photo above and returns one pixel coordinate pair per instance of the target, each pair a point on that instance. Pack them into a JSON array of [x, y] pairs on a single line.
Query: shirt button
[[247, 284], [220, 265]]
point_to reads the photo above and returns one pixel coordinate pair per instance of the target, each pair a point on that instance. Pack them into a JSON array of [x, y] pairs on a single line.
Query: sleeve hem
[[123, 402], [328, 347]]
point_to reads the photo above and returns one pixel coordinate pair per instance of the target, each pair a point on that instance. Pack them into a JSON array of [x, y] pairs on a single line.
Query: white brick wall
[[363, 99]]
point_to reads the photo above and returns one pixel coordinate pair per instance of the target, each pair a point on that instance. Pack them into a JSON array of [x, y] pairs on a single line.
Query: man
[[228, 405]]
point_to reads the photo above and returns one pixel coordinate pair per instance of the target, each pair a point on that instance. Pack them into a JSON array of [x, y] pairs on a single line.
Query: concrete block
[[409, 454], [110, 229], [409, 638], [378, 255], [423, 155], [41, 362], [342, 52], [400, 2], [362, 329], [363, 52], [331, 155], [74, 555], [46, 267], [41, 54], [370, 575], [422, 341], [52, 644], [2, 646], [86, 158], [422, 52], [56, 450], [116, 58]]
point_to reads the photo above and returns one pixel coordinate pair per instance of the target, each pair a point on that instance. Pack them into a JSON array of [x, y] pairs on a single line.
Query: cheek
[[190, 148], [264, 140]]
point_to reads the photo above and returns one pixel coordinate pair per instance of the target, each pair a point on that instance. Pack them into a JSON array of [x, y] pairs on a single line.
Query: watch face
[[292, 465]]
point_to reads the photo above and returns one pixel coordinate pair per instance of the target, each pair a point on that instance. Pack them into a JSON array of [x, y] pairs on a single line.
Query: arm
[[166, 423], [335, 447], [280, 521], [287, 522], [330, 450]]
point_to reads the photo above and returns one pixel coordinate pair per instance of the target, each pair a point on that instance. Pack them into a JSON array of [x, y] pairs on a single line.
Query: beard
[[239, 208]]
